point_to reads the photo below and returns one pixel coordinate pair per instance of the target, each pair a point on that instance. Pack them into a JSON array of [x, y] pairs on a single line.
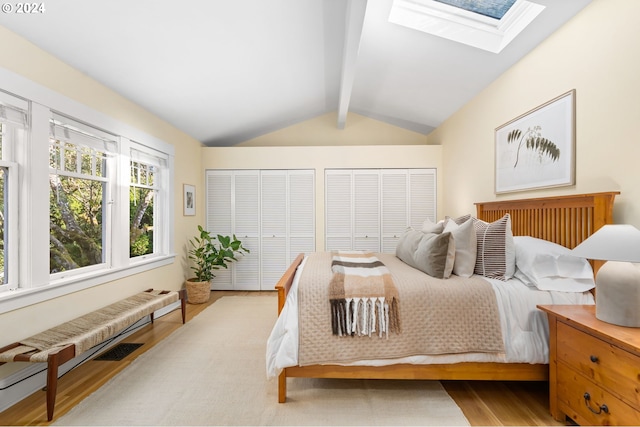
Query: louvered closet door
[[369, 209], [422, 196], [274, 260], [366, 210], [288, 224], [395, 207], [220, 215], [408, 198], [302, 213], [338, 210], [247, 228]]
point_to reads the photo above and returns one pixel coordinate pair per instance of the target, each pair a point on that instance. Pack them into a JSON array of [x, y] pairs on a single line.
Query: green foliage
[[75, 223], [141, 245], [140, 221], [533, 141], [210, 253]]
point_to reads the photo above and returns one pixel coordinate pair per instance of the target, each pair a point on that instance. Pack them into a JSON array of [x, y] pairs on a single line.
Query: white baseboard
[[33, 377]]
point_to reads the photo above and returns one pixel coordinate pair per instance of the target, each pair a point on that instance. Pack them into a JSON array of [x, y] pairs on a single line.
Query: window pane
[[134, 172], [101, 163], [143, 174], [87, 159], [141, 221], [54, 155], [3, 225], [70, 158], [76, 210]]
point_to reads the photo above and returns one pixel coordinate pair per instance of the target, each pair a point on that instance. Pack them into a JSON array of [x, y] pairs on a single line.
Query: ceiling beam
[[353, 32]]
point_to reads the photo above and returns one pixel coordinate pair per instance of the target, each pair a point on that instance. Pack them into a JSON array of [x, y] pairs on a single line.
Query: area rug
[[211, 371]]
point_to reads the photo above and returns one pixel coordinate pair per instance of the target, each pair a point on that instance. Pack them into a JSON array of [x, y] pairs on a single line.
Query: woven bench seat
[[62, 343]]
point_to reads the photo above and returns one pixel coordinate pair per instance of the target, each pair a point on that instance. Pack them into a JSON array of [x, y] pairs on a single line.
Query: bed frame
[[566, 220]]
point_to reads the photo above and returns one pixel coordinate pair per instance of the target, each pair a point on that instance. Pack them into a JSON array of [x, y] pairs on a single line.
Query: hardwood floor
[[483, 402]]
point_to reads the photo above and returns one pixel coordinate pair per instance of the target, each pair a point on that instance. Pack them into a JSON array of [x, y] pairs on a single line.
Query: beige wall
[[596, 53], [23, 58], [323, 130], [320, 158]]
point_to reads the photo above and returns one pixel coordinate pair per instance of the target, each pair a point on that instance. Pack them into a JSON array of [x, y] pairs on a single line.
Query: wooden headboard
[[566, 220]]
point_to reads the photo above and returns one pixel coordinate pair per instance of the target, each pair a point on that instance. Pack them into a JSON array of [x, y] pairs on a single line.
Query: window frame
[[109, 180], [14, 134], [31, 166], [162, 178], [11, 251]]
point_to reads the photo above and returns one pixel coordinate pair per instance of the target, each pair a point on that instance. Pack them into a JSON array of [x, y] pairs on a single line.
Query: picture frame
[[189, 199], [537, 149]]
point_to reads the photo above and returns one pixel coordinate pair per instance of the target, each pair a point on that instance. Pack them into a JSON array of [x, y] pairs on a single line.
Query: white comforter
[[524, 328]]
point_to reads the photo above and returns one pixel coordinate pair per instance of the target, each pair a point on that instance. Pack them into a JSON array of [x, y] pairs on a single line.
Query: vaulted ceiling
[[227, 71]]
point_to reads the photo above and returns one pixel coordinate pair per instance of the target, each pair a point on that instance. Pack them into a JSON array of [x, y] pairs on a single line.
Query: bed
[[563, 220]]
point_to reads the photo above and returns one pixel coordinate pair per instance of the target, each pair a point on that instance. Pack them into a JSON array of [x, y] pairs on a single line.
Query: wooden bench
[[62, 343]]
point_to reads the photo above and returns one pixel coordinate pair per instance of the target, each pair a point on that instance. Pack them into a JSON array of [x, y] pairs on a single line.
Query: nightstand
[[594, 368]]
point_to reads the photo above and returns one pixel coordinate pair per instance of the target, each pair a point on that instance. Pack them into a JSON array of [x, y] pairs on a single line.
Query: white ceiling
[[225, 71]]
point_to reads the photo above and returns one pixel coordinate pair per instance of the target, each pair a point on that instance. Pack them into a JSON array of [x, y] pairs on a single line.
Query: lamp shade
[[613, 242]]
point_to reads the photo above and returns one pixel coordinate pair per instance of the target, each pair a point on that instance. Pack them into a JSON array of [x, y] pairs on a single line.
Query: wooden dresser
[[594, 368]]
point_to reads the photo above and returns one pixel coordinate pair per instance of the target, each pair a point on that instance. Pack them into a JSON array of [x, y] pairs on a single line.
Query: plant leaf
[[513, 135]]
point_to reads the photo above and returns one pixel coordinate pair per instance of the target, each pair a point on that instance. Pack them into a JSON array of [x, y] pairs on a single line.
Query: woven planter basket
[[198, 292]]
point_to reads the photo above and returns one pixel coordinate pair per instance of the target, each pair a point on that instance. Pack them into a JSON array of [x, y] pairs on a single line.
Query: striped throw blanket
[[364, 299]]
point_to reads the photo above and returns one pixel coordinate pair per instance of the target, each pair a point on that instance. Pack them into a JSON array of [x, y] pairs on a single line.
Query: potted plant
[[209, 253]]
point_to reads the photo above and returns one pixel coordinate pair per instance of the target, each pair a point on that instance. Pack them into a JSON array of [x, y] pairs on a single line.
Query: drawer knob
[[594, 359], [603, 408]]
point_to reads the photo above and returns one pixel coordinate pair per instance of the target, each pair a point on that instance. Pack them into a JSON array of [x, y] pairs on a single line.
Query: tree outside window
[[77, 200], [142, 196]]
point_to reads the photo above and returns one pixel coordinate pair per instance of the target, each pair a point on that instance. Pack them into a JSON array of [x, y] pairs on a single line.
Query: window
[[147, 169], [495, 9], [81, 177], [68, 193], [13, 122], [4, 273], [488, 24]]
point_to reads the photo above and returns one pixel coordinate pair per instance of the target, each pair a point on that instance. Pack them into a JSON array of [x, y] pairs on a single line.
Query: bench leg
[[52, 384], [53, 362], [183, 304]]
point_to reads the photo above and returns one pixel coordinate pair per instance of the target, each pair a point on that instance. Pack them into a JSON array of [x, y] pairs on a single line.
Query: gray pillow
[[431, 253]]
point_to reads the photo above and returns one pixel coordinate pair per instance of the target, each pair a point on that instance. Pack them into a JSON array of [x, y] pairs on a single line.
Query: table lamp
[[618, 280]]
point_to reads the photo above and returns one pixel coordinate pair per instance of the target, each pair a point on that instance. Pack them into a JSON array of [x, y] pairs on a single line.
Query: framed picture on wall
[[189, 200], [537, 149]]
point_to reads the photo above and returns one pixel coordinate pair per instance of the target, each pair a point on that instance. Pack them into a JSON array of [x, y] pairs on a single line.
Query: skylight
[[491, 8], [485, 24]]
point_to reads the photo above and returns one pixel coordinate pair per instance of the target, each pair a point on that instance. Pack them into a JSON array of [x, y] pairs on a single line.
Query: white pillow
[[551, 267], [464, 237], [429, 226]]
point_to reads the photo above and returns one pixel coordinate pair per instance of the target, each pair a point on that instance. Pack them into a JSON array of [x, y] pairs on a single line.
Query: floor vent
[[119, 352]]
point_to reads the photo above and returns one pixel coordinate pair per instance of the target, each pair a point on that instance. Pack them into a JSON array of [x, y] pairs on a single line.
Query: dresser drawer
[[611, 367], [571, 389]]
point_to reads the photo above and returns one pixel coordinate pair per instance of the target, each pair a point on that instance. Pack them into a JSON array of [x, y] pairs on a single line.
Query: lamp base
[[618, 293]]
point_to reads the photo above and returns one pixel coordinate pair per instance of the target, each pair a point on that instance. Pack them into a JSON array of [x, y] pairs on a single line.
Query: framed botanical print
[[537, 149]]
